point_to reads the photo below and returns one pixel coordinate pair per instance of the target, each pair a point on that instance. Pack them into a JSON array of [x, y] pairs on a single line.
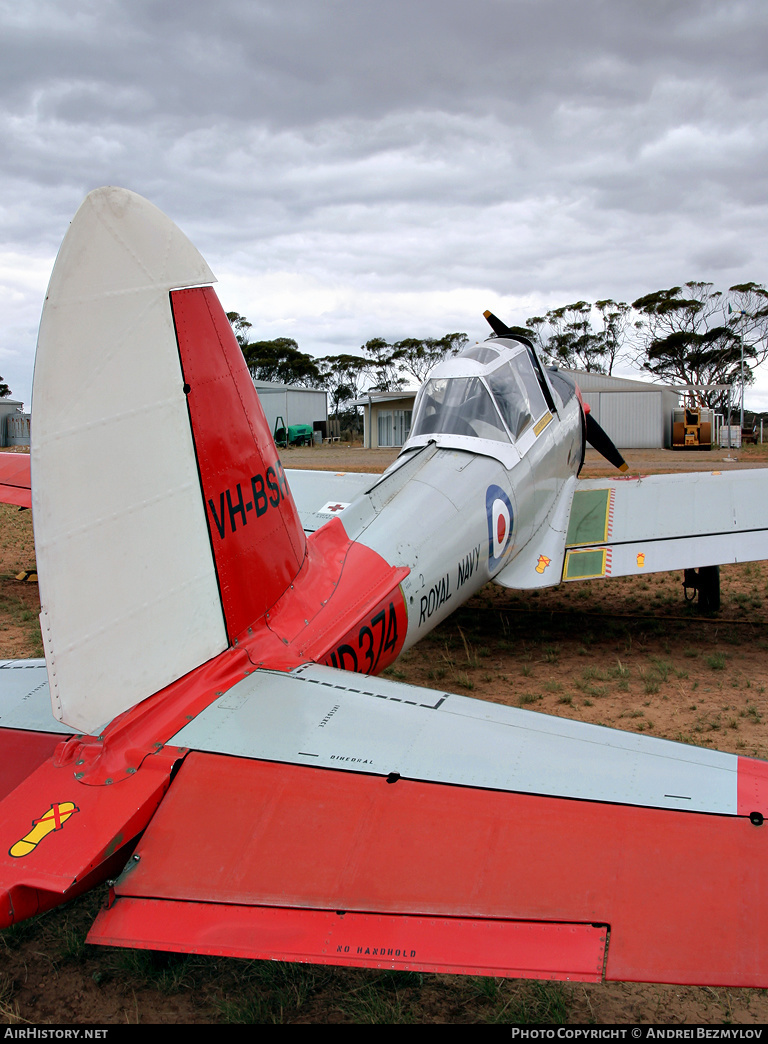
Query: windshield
[[457, 406], [517, 393], [511, 399]]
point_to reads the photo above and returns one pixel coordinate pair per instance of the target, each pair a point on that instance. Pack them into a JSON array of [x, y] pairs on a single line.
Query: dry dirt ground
[[625, 652]]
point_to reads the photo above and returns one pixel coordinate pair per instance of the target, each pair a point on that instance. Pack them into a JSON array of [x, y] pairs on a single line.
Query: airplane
[[209, 730]]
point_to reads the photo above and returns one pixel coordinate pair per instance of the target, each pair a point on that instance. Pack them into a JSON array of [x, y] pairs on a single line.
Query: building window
[[394, 427]]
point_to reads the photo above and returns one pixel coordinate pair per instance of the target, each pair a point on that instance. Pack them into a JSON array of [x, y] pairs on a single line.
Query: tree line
[[382, 366], [689, 334]]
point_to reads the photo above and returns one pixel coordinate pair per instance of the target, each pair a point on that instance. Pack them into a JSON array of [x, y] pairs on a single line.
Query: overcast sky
[[361, 168]]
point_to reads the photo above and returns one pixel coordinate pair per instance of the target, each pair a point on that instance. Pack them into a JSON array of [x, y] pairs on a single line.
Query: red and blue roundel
[[501, 523]]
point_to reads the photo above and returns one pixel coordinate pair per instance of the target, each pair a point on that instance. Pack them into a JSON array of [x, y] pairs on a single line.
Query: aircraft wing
[[647, 524], [338, 819], [15, 485], [29, 733]]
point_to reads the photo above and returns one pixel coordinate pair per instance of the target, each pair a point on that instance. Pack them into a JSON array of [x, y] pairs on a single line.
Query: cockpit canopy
[[487, 392]]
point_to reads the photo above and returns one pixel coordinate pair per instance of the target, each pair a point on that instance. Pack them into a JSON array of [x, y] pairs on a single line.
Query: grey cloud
[[538, 150]]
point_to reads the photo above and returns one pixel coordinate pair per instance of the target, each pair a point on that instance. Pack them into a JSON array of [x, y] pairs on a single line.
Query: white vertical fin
[[127, 581]]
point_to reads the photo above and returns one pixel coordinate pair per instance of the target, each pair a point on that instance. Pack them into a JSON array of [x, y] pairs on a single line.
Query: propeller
[[502, 330], [595, 435], [598, 440]]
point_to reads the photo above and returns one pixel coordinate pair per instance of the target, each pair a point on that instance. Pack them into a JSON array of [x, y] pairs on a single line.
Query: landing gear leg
[[707, 582]]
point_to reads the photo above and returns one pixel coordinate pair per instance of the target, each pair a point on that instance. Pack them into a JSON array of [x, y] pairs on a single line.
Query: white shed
[[386, 418], [14, 425], [635, 414], [296, 405]]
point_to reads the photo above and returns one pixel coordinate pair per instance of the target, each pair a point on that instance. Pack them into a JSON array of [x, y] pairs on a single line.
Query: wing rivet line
[[378, 695]]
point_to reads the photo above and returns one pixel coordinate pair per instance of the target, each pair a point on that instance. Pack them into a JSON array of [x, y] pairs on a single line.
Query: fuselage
[[493, 439]]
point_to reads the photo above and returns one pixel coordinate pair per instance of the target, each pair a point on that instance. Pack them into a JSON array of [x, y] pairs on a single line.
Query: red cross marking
[[55, 809]]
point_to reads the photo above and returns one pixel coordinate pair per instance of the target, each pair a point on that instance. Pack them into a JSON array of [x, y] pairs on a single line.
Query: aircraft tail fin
[[163, 521], [256, 533]]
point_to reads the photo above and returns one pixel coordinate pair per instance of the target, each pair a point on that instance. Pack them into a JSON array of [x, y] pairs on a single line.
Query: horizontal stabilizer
[[29, 733], [345, 868], [324, 717], [21, 752], [60, 837], [15, 484], [25, 702], [457, 945], [321, 495]]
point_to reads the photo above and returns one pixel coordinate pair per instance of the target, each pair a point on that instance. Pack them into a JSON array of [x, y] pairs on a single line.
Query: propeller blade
[[502, 330], [598, 440], [499, 328]]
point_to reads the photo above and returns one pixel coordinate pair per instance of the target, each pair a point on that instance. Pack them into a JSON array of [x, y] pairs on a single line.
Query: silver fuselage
[[439, 508]]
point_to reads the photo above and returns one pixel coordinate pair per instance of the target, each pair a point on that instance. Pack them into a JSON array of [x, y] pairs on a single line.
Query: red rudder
[[256, 533]]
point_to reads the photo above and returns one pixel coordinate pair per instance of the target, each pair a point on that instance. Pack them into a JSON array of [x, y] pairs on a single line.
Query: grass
[[395, 672], [597, 691], [752, 713], [594, 673], [18, 609], [551, 653], [661, 667]]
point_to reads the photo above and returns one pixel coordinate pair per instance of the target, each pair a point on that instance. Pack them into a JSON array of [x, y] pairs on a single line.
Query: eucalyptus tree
[[383, 367], [565, 336], [417, 356], [344, 377], [282, 361], [240, 327], [687, 338]]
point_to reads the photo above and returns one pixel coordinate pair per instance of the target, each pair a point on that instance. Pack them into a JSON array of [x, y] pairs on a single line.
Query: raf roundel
[[500, 525]]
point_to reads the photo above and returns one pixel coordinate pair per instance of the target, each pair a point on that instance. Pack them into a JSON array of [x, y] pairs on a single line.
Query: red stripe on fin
[[256, 533]]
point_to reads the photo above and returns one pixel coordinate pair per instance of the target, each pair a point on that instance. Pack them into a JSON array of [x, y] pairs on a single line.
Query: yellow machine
[[692, 428]]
